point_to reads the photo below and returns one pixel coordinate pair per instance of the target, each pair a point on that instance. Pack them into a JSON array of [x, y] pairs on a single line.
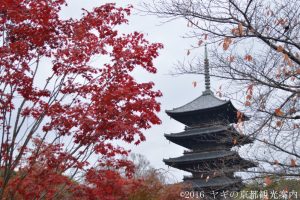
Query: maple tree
[[255, 43], [65, 127]]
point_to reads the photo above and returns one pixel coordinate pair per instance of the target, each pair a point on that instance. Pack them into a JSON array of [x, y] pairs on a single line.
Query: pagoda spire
[[206, 73]]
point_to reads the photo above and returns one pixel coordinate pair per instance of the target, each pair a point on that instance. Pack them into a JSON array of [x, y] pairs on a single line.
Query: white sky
[[176, 90]]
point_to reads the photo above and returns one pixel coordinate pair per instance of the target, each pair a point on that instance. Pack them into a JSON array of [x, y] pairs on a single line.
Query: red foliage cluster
[[41, 178], [51, 128]]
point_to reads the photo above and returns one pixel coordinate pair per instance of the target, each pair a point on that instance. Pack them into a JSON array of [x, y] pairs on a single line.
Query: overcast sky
[[177, 90]]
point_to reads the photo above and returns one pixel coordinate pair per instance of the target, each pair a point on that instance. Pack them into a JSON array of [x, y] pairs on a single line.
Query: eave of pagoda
[[214, 183], [200, 130], [224, 113], [225, 136], [196, 162], [220, 171], [200, 157]]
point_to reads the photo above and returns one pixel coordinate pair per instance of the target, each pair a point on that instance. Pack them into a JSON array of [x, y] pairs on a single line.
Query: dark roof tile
[[201, 156], [203, 102]]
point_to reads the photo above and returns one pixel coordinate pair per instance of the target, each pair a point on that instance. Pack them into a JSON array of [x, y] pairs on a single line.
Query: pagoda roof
[[206, 109], [204, 157], [200, 131], [201, 156], [208, 136], [213, 182], [205, 101]]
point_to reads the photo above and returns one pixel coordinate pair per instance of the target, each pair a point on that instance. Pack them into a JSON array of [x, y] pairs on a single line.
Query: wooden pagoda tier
[[217, 136], [209, 137], [209, 162], [206, 110], [217, 184]]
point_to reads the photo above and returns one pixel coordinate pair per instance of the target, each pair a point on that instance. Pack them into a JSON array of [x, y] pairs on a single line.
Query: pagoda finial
[[206, 73], [205, 52]]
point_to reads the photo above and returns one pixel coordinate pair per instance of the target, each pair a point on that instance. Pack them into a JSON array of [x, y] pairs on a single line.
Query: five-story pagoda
[[209, 136]]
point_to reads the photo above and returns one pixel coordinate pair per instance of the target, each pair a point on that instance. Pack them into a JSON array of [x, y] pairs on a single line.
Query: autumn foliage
[[154, 184], [62, 112]]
